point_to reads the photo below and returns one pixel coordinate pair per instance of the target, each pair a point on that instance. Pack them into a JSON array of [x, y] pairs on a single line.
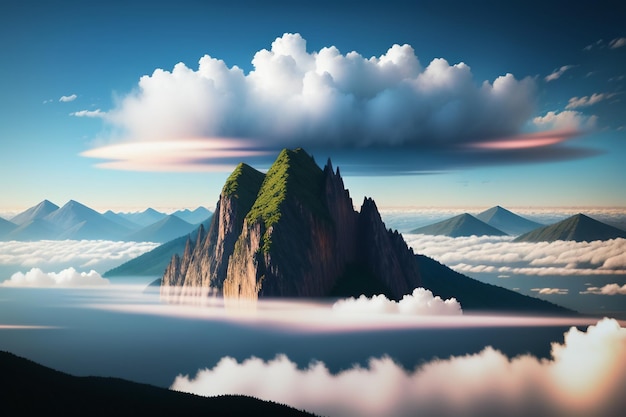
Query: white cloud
[[52, 254], [551, 291], [294, 96], [500, 255], [89, 113], [567, 119], [66, 278], [67, 99], [586, 375], [617, 43], [557, 73], [608, 289], [585, 101], [420, 303]]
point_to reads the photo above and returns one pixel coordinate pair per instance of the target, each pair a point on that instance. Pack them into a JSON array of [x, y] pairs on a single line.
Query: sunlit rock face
[[293, 232]]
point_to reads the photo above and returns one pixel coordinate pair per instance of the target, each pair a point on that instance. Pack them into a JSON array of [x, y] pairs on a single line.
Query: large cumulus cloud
[[323, 99], [585, 375]]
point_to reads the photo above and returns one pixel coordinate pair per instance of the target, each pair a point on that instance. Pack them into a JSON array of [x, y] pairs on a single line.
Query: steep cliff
[[293, 232]]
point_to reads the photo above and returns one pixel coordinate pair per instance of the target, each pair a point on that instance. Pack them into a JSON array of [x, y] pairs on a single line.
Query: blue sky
[[407, 127]]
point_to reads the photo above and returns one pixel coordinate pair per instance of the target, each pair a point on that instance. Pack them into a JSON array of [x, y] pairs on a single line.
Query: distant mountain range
[[462, 225], [579, 227], [47, 221], [498, 221], [30, 389]]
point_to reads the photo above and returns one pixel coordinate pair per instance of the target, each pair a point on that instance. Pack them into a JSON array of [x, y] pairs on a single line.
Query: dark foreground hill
[[30, 389], [462, 225], [579, 227]]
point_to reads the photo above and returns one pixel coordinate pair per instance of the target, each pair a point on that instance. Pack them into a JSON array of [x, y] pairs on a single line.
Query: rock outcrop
[[293, 232]]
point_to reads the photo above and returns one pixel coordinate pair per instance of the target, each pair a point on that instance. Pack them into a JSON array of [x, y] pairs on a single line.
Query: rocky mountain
[[462, 225], [166, 229], [196, 216], [579, 227], [32, 389], [39, 211], [292, 232], [507, 221]]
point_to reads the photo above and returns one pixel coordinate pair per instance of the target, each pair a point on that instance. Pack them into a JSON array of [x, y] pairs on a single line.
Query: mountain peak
[[578, 227], [507, 221], [38, 211], [462, 225]]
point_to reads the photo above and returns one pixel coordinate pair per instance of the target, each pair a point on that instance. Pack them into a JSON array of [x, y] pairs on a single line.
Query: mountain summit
[[578, 227], [508, 222], [462, 225], [293, 232]]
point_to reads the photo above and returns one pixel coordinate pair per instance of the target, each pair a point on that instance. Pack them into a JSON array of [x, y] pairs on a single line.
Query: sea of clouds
[[500, 255], [58, 255], [584, 376]]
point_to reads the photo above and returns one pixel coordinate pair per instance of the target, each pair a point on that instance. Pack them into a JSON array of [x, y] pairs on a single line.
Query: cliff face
[[291, 233]]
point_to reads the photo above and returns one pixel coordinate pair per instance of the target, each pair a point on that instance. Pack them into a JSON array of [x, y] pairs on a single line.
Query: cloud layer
[[491, 254], [420, 303], [66, 278], [586, 375], [85, 254]]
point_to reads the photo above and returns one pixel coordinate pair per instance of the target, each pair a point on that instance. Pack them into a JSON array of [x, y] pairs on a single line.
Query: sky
[[127, 105]]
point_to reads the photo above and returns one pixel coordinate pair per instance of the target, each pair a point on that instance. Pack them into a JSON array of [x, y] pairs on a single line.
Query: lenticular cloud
[[66, 278], [420, 303], [585, 376], [306, 98]]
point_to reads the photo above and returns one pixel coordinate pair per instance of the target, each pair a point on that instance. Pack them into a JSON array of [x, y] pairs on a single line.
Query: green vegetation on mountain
[[294, 174], [244, 184]]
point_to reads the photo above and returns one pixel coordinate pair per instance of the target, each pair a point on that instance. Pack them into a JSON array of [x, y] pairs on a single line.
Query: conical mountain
[[507, 221], [77, 221], [39, 211], [166, 229], [579, 227], [462, 225]]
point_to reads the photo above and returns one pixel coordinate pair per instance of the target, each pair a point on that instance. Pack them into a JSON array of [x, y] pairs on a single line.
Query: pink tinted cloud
[[529, 140]]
